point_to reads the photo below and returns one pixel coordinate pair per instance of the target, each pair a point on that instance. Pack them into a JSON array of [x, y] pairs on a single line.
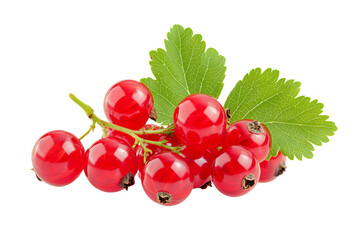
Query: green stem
[[88, 110], [92, 127], [161, 130], [162, 144], [100, 122]]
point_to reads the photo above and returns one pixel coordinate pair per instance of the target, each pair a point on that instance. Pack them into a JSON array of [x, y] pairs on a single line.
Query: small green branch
[[166, 130], [146, 150], [92, 127], [88, 110], [100, 122], [162, 144]]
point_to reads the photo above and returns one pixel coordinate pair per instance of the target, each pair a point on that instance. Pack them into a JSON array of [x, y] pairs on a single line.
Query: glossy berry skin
[[172, 140], [200, 122], [120, 135], [110, 165], [273, 168], [235, 171], [248, 133], [200, 165], [167, 179], [58, 158], [128, 103], [139, 151]]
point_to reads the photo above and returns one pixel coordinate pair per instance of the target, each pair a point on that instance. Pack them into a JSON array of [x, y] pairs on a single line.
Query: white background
[[51, 48]]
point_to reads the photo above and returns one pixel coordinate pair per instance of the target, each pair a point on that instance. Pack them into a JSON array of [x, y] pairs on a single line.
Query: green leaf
[[295, 123], [184, 68]]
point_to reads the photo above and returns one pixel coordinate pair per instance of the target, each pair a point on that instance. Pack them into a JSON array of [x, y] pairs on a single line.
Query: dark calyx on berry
[[255, 127], [164, 197], [153, 115], [228, 115], [281, 169], [248, 181], [207, 184], [127, 181], [38, 178]]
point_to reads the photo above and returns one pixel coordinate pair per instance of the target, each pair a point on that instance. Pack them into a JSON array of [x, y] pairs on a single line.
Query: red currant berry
[[110, 165], [172, 140], [272, 168], [250, 134], [235, 171], [200, 122], [128, 103], [200, 165], [117, 134], [167, 179], [139, 151], [58, 158]]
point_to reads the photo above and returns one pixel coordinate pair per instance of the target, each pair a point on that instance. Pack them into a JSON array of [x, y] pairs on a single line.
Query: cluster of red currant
[[198, 149]]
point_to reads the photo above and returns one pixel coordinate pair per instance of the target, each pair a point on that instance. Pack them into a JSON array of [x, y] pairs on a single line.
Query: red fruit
[[128, 103], [250, 134], [200, 165], [167, 179], [139, 151], [58, 158], [235, 171], [273, 168], [110, 165], [200, 122], [123, 136], [172, 140]]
